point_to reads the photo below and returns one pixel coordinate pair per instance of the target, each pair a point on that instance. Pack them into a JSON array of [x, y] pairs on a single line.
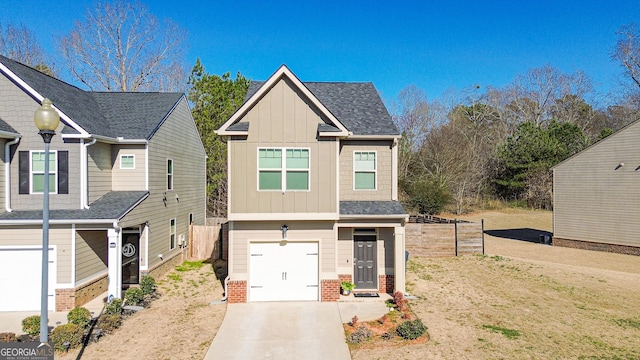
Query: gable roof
[[108, 114], [6, 129]]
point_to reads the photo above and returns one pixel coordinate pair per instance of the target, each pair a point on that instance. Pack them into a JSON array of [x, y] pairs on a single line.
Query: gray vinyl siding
[[345, 250], [17, 109], [176, 139], [594, 201], [99, 170], [2, 190], [385, 250], [91, 254], [59, 235], [129, 179], [384, 164]]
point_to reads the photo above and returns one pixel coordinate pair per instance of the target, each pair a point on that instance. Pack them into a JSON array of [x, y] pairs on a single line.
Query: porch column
[[114, 238], [399, 259]]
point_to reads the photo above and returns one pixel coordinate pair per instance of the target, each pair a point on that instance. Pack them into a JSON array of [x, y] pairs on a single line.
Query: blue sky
[[436, 45]]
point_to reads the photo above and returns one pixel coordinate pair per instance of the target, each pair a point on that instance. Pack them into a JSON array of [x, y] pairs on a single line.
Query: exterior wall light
[[284, 229]]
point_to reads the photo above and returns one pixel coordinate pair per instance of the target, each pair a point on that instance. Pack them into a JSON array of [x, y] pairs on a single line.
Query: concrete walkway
[[280, 330]]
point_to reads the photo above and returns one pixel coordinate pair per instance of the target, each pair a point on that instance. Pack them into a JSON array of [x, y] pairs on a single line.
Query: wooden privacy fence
[[209, 241], [431, 236]]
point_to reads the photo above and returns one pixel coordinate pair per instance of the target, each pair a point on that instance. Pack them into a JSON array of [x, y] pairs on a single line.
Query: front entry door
[[130, 258], [365, 269]]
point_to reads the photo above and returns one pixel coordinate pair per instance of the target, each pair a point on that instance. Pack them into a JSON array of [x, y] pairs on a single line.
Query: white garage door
[[283, 271], [21, 278]]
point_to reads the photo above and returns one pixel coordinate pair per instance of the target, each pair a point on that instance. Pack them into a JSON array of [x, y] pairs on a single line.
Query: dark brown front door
[[130, 258], [364, 263]]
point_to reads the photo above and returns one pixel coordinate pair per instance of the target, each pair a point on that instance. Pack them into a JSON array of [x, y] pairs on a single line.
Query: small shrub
[[398, 299], [411, 330], [406, 315], [80, 316], [31, 325], [387, 336], [67, 332], [354, 321], [114, 307], [360, 335], [148, 285], [109, 322], [133, 296], [8, 337]]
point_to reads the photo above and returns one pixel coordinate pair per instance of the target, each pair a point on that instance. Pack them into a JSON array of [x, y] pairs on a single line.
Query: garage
[[21, 278], [285, 271]]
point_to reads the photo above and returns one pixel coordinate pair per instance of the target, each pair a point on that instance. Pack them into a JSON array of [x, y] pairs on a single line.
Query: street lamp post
[[47, 120]]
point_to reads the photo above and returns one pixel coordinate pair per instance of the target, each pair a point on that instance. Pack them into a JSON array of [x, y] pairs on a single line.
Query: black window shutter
[[23, 172], [63, 172]]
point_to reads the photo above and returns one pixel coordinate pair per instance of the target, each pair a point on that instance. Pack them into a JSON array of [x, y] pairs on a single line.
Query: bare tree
[[120, 46], [20, 44], [627, 51]]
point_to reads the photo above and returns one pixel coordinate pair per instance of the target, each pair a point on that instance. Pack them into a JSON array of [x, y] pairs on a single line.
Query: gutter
[[84, 174], [7, 172], [60, 222]]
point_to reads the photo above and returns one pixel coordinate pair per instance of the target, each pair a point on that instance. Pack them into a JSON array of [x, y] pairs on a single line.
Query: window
[[190, 218], [172, 233], [364, 165], [37, 172], [283, 168], [127, 161], [169, 174]]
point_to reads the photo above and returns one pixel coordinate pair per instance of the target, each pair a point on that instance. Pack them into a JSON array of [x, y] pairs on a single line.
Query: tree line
[[456, 153]]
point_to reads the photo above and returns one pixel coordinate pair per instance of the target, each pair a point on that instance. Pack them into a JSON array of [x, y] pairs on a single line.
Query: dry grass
[[524, 301]]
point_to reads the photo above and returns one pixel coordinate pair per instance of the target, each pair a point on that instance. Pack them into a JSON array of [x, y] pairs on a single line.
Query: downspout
[[7, 173], [84, 173], [226, 290]]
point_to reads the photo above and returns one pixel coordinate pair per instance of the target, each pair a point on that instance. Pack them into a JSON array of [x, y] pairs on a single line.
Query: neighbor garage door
[[21, 278], [283, 271]]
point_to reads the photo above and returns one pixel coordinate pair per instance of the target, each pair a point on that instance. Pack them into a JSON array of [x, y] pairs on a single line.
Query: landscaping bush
[[8, 337], [133, 296], [411, 330], [114, 307], [80, 316], [67, 332], [31, 325], [361, 334], [109, 322], [148, 285]]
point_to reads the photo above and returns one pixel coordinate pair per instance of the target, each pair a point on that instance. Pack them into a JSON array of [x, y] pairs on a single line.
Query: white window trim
[[172, 233], [173, 168], [52, 172], [133, 156], [375, 171], [282, 169]]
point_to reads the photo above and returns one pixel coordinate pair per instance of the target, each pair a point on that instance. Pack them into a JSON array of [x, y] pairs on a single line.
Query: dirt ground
[[524, 300], [181, 324]]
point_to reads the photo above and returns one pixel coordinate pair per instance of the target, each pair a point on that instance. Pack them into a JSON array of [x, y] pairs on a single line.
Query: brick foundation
[[65, 299], [386, 283], [588, 245], [158, 271], [237, 291], [330, 290]]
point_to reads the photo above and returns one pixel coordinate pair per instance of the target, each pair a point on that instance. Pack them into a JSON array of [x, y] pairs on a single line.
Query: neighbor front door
[[130, 258], [365, 269]]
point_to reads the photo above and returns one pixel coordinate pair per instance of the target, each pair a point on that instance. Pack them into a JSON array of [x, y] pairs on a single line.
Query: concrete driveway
[[280, 330]]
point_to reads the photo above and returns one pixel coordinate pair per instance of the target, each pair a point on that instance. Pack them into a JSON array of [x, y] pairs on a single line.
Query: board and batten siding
[[176, 139], [99, 170], [283, 118], [60, 236], [129, 179], [17, 108], [595, 199], [91, 254], [384, 162]]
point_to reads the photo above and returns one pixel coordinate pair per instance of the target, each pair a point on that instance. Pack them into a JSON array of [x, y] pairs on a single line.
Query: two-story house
[[313, 196], [127, 179]]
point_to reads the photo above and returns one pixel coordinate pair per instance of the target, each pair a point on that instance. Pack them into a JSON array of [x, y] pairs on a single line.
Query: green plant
[[347, 286], [508, 333], [114, 307], [80, 316], [31, 325], [354, 321], [133, 296], [148, 285], [190, 265], [71, 333], [6, 337], [109, 322], [361, 334], [410, 330]]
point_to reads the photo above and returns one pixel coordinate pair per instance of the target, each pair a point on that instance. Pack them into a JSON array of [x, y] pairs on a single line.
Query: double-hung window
[[169, 174], [364, 165], [172, 233], [283, 169], [37, 172], [127, 161]]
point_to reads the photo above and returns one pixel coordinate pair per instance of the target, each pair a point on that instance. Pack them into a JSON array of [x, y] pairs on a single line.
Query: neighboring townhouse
[[313, 194], [127, 179], [596, 193]]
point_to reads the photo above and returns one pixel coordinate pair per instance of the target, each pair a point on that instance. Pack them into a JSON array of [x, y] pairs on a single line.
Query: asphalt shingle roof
[[371, 208], [112, 206], [357, 106], [113, 114], [6, 127], [241, 126]]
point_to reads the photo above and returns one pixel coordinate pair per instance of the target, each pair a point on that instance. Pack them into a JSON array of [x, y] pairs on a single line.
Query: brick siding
[[330, 290], [237, 291], [387, 283]]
